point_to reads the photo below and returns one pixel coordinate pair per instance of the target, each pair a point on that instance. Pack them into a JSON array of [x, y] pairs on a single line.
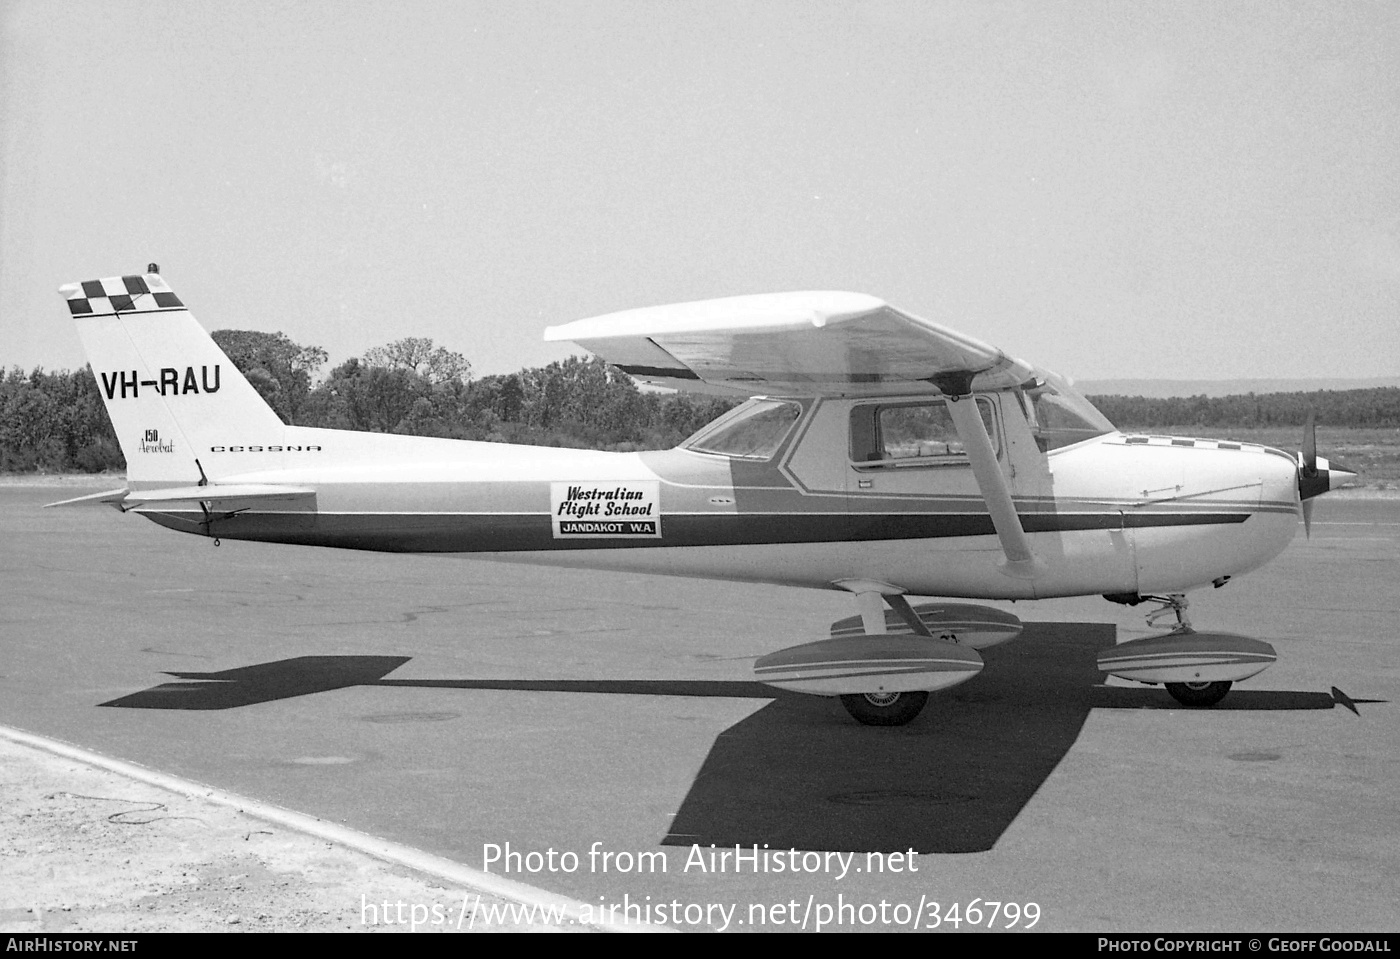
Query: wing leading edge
[[819, 343]]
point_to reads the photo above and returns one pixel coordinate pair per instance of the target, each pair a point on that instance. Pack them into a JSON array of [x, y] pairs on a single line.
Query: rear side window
[[754, 431], [912, 434]]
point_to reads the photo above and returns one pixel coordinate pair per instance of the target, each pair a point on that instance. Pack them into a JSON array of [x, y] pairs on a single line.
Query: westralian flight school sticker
[[606, 510]]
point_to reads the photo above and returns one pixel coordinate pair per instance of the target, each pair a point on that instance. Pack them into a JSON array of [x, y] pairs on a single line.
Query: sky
[[1108, 189]]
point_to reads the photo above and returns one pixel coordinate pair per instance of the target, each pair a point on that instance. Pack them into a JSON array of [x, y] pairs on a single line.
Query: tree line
[[1376, 407], [55, 421]]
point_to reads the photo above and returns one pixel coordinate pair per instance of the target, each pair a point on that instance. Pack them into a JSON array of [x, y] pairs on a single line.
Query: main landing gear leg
[[883, 709], [1198, 695]]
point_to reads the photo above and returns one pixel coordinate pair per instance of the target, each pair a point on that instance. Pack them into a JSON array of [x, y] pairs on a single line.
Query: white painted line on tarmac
[[443, 868]]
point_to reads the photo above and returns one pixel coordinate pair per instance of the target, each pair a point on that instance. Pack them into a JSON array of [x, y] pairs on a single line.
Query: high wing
[[818, 343]]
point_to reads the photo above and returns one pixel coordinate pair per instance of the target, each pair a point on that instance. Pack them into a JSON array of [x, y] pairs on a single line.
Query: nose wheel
[[1198, 695], [885, 709]]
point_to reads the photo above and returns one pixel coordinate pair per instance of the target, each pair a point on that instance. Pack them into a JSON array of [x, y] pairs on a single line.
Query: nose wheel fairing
[[1197, 668], [1187, 656]]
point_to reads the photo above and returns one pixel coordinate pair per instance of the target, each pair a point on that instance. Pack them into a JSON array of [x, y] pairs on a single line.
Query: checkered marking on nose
[[121, 294]]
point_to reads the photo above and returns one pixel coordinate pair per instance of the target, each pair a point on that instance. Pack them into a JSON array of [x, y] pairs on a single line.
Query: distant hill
[[1166, 388]]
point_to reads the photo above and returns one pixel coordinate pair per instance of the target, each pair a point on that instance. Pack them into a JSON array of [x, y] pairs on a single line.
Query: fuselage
[[1109, 513]]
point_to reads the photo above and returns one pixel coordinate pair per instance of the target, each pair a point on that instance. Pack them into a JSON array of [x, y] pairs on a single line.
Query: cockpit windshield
[[752, 431], [1059, 415]]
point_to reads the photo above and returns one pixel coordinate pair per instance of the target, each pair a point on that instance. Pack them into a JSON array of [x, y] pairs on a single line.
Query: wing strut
[[1021, 562]]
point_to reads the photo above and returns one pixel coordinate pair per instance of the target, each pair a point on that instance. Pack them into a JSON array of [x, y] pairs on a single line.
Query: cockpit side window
[[897, 435], [754, 431]]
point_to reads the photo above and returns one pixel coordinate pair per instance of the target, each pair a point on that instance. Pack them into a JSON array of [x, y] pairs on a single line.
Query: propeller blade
[[1307, 518], [1309, 456]]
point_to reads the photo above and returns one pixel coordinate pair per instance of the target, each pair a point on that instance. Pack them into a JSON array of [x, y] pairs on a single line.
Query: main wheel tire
[[885, 709], [1198, 694]]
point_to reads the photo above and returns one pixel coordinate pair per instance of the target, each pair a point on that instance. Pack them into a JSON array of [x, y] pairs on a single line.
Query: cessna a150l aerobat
[[878, 453]]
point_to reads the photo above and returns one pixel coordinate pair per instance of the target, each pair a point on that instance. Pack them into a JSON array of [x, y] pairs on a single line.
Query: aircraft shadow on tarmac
[[798, 773]]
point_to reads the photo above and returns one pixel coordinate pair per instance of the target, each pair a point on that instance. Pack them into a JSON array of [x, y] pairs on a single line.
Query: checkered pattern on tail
[[120, 294]]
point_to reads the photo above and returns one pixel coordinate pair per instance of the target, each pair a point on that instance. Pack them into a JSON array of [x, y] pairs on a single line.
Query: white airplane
[[878, 453]]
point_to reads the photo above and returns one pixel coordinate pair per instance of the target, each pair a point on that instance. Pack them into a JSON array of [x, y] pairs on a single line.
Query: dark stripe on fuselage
[[492, 533]]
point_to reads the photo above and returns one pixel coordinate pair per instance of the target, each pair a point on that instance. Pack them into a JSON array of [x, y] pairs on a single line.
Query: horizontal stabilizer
[[216, 493], [111, 497], [252, 493]]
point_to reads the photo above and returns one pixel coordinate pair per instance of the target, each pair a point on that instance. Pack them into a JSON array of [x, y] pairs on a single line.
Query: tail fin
[[173, 396]]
